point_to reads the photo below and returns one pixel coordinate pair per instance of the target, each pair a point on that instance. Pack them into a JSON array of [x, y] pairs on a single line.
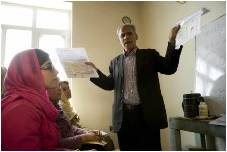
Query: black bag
[[190, 104]]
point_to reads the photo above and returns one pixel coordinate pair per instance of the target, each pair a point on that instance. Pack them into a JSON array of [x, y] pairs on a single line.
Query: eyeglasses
[[48, 66]]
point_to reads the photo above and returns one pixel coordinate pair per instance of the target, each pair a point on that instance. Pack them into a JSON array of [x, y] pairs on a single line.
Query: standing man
[[138, 109]]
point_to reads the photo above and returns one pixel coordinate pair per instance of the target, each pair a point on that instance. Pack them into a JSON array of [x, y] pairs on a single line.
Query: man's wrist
[[172, 43]]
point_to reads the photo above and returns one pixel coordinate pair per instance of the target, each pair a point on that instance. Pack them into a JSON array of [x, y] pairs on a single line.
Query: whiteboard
[[211, 65]]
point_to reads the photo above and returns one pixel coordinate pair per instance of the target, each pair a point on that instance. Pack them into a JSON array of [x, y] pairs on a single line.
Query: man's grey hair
[[125, 25]]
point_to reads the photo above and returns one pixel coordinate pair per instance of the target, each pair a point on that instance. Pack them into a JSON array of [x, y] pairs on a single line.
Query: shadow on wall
[[217, 98]]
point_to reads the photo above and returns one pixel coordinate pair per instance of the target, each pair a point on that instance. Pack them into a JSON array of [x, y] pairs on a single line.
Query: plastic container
[[203, 110]]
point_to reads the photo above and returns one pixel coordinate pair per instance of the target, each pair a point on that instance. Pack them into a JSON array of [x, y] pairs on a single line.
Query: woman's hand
[[90, 136], [97, 132]]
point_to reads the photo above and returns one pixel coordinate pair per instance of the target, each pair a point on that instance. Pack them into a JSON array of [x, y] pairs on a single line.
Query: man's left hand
[[173, 34]]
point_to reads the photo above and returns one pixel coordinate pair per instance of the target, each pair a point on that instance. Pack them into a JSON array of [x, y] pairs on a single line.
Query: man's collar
[[132, 52]]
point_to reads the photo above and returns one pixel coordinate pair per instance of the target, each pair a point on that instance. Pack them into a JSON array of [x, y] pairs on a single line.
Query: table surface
[[198, 126]]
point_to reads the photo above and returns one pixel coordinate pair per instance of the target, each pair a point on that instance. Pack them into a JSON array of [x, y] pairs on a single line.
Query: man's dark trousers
[[135, 134]]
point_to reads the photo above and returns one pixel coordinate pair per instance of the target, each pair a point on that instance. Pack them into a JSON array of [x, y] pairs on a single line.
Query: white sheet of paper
[[73, 61], [219, 121], [190, 27]]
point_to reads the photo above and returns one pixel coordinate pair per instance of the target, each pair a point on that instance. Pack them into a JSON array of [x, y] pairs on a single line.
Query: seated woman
[[68, 110], [3, 74], [72, 136], [28, 117], [65, 104]]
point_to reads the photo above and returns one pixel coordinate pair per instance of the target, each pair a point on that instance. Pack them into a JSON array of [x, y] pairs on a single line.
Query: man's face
[[127, 38], [66, 90]]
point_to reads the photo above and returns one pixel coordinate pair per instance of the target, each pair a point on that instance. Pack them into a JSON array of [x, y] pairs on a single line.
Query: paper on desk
[[190, 27], [219, 121], [103, 133], [73, 61]]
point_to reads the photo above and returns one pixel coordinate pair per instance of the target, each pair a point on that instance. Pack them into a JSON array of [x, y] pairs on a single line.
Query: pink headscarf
[[24, 79]]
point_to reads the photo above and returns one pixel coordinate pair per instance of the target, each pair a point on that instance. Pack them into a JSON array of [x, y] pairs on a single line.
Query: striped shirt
[[131, 95]]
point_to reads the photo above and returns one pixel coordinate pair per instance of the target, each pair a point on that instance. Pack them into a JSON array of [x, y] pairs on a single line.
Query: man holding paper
[[138, 109]]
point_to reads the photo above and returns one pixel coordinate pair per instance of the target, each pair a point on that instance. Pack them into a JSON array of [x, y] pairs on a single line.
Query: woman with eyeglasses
[[27, 115]]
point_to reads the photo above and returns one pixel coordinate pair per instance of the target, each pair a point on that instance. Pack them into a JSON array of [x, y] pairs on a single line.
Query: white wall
[[94, 27]]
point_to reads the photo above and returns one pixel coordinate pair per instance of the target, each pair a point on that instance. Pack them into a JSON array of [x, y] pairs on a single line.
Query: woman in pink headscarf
[[27, 116]]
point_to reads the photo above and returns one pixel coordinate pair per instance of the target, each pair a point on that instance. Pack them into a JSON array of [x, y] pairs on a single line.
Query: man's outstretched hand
[[92, 65], [173, 34]]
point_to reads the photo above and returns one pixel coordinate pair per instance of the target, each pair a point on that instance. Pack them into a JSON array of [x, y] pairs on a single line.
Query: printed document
[[73, 61], [190, 27]]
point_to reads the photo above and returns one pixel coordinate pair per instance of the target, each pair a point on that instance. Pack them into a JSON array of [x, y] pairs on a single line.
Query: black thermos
[[190, 104]]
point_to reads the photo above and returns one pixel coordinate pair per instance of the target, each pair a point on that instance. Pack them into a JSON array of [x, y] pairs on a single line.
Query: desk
[[203, 127]]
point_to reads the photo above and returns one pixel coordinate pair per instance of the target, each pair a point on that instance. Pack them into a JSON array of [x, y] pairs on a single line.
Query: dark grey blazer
[[148, 64]]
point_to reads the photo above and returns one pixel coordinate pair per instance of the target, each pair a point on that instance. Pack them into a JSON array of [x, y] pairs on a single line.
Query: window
[[59, 20], [16, 15], [13, 44], [26, 26]]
